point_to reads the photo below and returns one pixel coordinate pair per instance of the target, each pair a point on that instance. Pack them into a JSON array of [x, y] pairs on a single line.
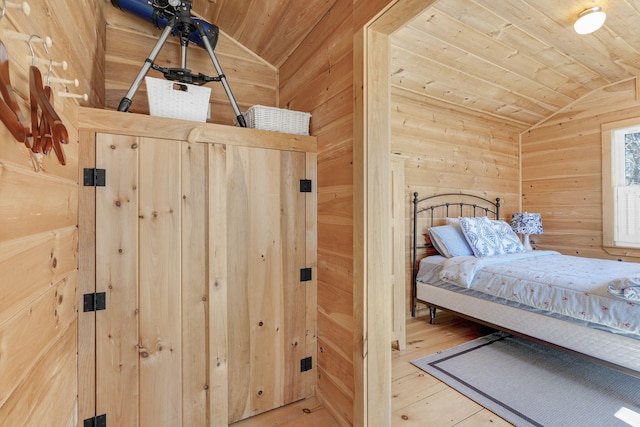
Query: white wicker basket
[[177, 100], [277, 119]]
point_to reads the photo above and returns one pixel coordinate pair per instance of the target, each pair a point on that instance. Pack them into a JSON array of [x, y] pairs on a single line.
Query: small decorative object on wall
[[526, 223]]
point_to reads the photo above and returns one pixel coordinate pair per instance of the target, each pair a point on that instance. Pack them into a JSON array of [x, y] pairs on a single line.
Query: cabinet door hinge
[[95, 302], [305, 186], [306, 364], [95, 177], [305, 274], [99, 421]]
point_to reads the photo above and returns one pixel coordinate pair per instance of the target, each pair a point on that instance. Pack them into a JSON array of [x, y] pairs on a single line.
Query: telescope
[[174, 18], [158, 13]]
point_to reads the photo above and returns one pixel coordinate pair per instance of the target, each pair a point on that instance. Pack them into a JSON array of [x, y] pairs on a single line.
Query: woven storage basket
[[277, 119], [177, 100]]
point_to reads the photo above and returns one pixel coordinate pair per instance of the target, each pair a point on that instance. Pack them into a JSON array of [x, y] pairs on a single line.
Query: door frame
[[372, 210]]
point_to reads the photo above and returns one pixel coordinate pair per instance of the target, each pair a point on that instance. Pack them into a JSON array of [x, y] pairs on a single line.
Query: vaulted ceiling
[[516, 60], [270, 28]]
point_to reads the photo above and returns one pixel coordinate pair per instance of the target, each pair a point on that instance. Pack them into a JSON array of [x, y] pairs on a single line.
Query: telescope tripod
[[186, 25]]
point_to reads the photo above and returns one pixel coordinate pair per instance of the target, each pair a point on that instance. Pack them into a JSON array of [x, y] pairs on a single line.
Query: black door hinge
[[99, 421], [305, 274], [305, 186], [95, 302], [305, 364], [95, 177]]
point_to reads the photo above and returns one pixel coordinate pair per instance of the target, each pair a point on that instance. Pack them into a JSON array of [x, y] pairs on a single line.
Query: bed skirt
[[617, 351]]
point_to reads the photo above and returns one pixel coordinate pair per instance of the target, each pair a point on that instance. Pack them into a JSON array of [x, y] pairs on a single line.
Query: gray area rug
[[529, 384]]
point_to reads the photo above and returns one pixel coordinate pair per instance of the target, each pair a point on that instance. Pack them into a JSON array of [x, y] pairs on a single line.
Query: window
[[632, 157], [621, 183]]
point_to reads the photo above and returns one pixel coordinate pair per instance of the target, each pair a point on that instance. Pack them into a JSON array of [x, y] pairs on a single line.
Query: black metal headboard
[[441, 206]]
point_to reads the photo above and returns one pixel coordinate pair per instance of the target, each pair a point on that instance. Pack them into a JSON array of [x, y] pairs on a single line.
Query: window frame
[[609, 181]]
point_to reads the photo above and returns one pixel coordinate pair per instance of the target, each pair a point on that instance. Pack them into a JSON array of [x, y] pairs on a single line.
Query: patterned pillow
[[449, 241], [481, 236], [510, 241]]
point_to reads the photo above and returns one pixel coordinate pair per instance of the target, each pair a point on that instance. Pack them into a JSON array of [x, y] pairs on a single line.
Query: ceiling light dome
[[589, 20]]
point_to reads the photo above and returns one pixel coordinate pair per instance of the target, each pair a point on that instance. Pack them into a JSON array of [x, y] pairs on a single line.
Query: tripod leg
[[125, 103], [223, 78]]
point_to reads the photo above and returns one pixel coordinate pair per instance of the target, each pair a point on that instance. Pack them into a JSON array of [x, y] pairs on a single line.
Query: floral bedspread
[[583, 288]]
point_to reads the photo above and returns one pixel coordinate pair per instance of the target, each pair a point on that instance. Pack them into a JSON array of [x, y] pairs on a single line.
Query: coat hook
[[74, 82], [10, 5], [63, 94], [24, 6], [35, 60], [28, 38]]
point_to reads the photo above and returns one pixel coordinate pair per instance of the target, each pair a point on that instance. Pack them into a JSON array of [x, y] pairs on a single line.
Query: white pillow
[[481, 236], [510, 241], [449, 241]]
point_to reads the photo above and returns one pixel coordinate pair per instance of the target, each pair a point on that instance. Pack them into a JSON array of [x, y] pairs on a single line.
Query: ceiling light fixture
[[589, 20]]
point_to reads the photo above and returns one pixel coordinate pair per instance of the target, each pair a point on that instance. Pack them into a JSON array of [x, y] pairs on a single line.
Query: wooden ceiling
[[517, 60], [272, 29]]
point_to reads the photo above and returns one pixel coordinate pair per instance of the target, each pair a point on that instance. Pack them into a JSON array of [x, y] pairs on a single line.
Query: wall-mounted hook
[[35, 60], [28, 38], [10, 5], [74, 82], [24, 6], [63, 94]]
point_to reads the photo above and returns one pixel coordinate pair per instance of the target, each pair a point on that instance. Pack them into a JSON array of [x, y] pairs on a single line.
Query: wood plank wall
[[130, 40], [38, 221], [562, 171], [318, 77], [446, 150]]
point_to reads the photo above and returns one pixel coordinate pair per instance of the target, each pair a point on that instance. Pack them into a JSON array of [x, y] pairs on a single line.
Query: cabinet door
[[266, 299], [139, 242], [198, 251]]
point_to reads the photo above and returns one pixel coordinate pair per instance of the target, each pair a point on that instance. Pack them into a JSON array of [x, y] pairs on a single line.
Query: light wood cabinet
[[205, 257]]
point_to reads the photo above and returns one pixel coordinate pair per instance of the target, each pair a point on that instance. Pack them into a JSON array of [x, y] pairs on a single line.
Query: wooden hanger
[[47, 127], [45, 138], [10, 112]]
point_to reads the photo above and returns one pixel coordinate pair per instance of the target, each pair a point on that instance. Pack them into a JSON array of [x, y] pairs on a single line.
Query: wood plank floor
[[418, 399], [307, 413]]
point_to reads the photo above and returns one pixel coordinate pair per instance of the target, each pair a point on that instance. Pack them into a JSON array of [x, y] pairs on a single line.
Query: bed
[[468, 261]]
